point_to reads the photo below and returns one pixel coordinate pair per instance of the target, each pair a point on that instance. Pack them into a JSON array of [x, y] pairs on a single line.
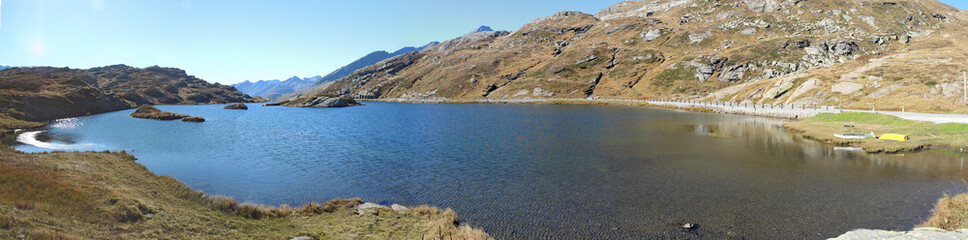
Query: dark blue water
[[536, 171]]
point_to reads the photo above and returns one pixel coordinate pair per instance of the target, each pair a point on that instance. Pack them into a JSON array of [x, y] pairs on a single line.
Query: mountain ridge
[[279, 89]]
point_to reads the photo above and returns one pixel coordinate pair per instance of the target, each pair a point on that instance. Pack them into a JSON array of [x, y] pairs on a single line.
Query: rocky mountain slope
[[886, 52], [275, 88], [367, 60], [44, 93]]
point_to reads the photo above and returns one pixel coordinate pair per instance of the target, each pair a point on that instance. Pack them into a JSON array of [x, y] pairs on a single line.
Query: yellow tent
[[895, 137]]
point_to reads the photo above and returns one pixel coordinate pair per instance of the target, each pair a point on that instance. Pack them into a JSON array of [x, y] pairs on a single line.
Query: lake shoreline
[[95, 208], [647, 105]]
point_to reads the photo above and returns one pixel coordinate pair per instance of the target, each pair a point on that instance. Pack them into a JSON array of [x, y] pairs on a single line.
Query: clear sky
[[231, 41]]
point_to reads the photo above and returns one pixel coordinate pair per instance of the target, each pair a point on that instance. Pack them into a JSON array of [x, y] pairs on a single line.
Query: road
[[927, 117]]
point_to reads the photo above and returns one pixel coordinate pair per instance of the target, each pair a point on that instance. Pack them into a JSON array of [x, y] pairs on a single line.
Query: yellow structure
[[895, 137]]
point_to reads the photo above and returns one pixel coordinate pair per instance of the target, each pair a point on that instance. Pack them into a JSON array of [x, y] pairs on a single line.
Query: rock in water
[[150, 112], [193, 119], [688, 226], [239, 106], [147, 109], [323, 102]]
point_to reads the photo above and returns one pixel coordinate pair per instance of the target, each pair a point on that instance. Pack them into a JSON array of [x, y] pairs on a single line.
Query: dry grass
[[110, 196], [950, 213]]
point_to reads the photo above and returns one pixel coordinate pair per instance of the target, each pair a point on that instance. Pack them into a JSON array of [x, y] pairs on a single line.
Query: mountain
[[37, 94], [276, 89], [483, 29], [4, 67], [370, 59], [366, 60], [273, 89], [755, 51]]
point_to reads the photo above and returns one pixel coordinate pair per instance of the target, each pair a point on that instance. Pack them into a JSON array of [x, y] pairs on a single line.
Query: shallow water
[[537, 171]]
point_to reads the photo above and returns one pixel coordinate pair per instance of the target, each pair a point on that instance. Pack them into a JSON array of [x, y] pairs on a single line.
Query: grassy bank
[[109, 196], [922, 134], [950, 213]]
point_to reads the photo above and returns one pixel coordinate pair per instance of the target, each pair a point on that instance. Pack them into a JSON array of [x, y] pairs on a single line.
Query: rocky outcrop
[[369, 207], [193, 119], [733, 73], [38, 94], [807, 86], [150, 112], [322, 102], [651, 35], [629, 10], [237, 106], [779, 88]]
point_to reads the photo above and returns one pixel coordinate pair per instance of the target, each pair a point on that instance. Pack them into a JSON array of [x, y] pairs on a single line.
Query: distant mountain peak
[[483, 29]]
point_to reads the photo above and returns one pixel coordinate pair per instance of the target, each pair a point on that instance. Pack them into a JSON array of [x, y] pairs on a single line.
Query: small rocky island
[[151, 112], [322, 101], [237, 106]]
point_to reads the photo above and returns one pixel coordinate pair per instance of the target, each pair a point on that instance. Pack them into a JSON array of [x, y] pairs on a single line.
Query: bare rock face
[[628, 9], [779, 88], [810, 84], [651, 35], [846, 87], [733, 73], [769, 5]]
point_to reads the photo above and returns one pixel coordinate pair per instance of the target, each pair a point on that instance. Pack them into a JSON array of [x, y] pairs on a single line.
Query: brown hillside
[[731, 50], [45, 93]]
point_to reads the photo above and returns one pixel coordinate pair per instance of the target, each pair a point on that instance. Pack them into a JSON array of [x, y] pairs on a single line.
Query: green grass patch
[[823, 126], [669, 76], [868, 118]]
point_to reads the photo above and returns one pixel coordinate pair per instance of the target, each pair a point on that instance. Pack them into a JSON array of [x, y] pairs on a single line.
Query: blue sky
[[232, 41]]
